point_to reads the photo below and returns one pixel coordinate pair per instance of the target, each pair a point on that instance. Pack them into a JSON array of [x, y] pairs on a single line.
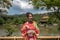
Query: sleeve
[[37, 29], [23, 30]]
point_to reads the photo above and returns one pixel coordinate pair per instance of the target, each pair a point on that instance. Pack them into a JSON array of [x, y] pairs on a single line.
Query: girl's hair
[[27, 14]]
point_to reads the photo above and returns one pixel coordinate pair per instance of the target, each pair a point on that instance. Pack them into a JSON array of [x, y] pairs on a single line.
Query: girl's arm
[[23, 30], [37, 29]]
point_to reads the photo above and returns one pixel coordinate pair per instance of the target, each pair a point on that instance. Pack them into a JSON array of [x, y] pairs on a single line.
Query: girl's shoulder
[[26, 23], [34, 21]]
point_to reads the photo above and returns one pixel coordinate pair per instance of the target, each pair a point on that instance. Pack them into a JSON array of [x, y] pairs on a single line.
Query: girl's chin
[[31, 20]]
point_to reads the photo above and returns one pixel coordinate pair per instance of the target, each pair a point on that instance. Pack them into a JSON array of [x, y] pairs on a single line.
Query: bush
[[10, 29], [2, 21]]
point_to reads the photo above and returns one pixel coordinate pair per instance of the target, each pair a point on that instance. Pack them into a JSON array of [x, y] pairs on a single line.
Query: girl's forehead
[[30, 14]]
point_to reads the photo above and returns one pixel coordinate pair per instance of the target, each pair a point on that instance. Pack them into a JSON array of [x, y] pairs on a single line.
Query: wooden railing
[[39, 38]]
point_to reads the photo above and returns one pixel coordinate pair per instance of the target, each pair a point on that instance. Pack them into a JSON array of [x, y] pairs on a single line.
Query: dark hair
[[27, 14]]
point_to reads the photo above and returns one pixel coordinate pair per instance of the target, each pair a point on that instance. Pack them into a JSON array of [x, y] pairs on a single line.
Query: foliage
[[37, 3], [48, 4], [2, 21], [11, 29], [5, 5], [11, 22]]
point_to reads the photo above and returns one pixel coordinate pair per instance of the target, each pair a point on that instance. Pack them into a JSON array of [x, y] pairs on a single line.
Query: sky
[[23, 6]]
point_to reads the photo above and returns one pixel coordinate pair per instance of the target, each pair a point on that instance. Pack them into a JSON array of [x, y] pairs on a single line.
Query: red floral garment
[[32, 26]]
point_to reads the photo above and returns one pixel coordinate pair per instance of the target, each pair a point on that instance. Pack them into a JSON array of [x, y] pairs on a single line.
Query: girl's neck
[[30, 22]]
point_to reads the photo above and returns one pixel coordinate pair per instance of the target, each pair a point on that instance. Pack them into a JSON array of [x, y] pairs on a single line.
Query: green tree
[[11, 29], [37, 3], [2, 21], [4, 6], [48, 4]]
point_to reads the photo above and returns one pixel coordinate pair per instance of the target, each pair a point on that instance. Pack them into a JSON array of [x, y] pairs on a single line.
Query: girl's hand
[[36, 34]]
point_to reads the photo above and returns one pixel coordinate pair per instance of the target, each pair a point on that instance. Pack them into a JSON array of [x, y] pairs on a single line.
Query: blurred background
[[45, 12]]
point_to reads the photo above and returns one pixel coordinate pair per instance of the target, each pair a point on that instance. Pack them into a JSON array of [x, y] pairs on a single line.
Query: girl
[[31, 25]]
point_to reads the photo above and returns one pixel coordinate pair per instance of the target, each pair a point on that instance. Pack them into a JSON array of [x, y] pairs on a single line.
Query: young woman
[[30, 25]]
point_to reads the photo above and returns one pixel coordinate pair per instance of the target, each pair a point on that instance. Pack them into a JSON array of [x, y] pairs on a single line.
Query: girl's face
[[30, 17]]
